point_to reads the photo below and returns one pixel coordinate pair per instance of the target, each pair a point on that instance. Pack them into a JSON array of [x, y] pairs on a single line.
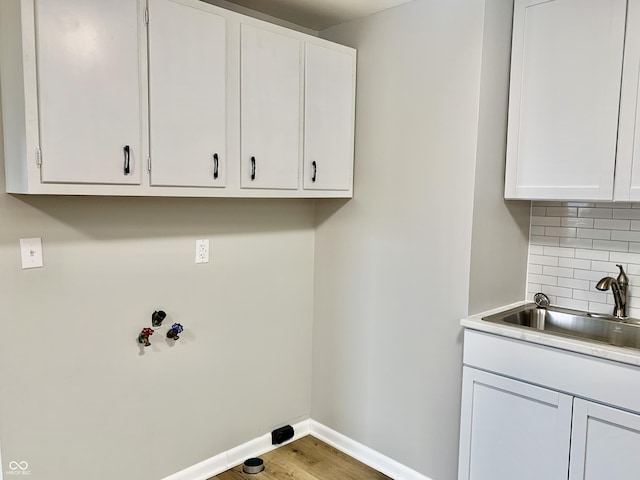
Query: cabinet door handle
[[315, 171], [127, 160], [215, 166], [253, 168]]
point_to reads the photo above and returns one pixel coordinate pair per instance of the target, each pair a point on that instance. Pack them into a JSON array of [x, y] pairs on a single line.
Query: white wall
[[81, 399], [392, 265], [500, 228]]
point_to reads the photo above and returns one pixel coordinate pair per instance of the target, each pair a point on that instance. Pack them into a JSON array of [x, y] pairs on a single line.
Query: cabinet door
[[187, 89], [270, 109], [89, 91], [512, 430], [566, 71], [329, 118], [627, 183], [605, 443]]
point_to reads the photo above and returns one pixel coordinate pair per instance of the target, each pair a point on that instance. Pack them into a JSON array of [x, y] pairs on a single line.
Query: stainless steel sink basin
[[571, 323]]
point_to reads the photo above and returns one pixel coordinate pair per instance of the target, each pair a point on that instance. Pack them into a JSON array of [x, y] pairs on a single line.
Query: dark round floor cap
[[253, 465]]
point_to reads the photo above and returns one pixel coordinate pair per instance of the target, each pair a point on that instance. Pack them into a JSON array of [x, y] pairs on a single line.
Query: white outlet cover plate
[[31, 252], [202, 251]]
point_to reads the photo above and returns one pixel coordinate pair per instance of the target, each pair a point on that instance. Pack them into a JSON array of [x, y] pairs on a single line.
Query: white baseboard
[[366, 455], [231, 458], [261, 445]]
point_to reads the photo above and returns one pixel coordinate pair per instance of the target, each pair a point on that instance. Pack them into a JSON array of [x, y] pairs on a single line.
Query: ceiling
[[318, 14]]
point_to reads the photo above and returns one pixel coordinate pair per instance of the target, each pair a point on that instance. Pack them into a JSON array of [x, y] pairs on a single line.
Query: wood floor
[[306, 459]]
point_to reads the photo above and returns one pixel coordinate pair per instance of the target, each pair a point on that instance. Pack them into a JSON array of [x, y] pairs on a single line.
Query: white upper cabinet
[[270, 109], [328, 118], [627, 184], [171, 98], [89, 91], [187, 94], [566, 74]]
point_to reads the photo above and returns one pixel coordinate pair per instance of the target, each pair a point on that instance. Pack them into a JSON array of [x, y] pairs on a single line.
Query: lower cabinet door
[[511, 430], [605, 443]]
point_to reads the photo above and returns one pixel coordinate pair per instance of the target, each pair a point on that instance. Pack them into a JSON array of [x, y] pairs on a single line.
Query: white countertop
[[609, 352]]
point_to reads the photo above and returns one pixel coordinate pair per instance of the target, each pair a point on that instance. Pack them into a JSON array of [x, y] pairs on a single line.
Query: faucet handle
[[623, 280]]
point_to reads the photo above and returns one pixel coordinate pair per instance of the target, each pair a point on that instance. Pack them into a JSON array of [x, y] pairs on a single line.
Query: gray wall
[[428, 237], [392, 265], [500, 239], [80, 399]]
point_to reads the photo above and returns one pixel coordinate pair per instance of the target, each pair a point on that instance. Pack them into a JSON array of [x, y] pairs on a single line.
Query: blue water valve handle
[[176, 328]]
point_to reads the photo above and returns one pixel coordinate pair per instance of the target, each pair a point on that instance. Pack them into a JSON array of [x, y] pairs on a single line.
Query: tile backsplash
[[572, 245]]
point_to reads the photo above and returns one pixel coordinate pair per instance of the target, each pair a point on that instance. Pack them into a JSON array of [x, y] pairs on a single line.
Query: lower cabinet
[[514, 430], [605, 443]]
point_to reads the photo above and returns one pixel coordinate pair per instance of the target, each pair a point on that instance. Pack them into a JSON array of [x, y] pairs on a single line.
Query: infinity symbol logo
[[13, 465]]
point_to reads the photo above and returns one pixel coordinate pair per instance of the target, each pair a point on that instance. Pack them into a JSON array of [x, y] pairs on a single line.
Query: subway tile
[[633, 269], [634, 313], [543, 260], [591, 275], [534, 288], [634, 247], [547, 204], [574, 263], [578, 204], [572, 303], [609, 267], [558, 271], [573, 283], [634, 280], [546, 221], [537, 230], [543, 240], [561, 231], [597, 307], [590, 296], [625, 257], [635, 205], [611, 245], [613, 205], [595, 234], [576, 242], [633, 302], [595, 212], [626, 213], [625, 235], [543, 279], [612, 224], [591, 254], [557, 291], [559, 252], [536, 249], [536, 269], [562, 212], [577, 222], [539, 211], [635, 225]]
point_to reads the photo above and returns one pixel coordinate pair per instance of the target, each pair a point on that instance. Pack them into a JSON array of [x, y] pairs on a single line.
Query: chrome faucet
[[619, 288]]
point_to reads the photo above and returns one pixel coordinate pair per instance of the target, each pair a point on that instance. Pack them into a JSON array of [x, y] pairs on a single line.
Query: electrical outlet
[[202, 251]]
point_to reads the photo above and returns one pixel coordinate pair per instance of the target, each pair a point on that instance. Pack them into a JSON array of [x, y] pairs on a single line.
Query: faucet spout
[[618, 287]]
